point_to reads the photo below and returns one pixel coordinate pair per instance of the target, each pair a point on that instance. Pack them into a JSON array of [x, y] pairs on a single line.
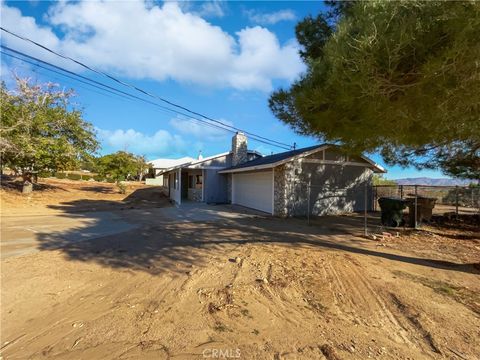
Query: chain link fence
[[448, 199], [323, 205]]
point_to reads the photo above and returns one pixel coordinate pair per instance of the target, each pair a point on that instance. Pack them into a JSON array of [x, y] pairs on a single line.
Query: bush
[[122, 188], [99, 178], [110, 180], [74, 176], [121, 178], [60, 175], [86, 177], [45, 174]]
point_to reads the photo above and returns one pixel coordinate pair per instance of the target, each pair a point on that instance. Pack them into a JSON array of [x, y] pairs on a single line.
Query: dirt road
[[243, 286]]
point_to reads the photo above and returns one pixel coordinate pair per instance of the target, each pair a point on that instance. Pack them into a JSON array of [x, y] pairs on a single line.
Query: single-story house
[[279, 184]]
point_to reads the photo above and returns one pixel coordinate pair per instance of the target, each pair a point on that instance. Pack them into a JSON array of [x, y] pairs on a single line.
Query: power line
[[283, 145], [60, 73], [163, 109], [115, 91]]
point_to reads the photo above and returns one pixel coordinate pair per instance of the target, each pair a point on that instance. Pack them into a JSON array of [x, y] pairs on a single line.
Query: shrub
[[110, 180], [98, 178], [86, 177], [122, 188], [120, 178], [60, 175], [45, 173], [74, 176]]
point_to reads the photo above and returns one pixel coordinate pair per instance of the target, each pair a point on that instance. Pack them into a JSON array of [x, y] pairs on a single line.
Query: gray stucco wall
[[215, 187], [335, 189]]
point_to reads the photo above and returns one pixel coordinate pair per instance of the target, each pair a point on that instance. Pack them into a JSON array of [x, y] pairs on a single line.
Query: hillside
[[432, 181]]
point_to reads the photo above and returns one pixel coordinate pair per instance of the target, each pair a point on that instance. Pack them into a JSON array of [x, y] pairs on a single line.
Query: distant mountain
[[432, 181]]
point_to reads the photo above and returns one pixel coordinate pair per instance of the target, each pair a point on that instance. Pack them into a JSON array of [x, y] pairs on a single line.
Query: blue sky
[[221, 59]]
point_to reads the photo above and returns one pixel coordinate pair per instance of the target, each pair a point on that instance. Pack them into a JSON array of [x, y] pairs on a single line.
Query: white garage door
[[253, 190]]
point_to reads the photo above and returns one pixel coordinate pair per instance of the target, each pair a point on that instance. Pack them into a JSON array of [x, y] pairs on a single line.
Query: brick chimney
[[239, 149]]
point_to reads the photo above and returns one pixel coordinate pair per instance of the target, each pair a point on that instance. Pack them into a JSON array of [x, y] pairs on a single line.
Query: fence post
[[401, 192], [416, 195], [456, 200], [308, 201], [365, 206]]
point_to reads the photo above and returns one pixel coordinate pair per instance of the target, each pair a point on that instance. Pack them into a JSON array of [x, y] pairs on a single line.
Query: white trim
[[250, 168], [178, 189], [204, 167]]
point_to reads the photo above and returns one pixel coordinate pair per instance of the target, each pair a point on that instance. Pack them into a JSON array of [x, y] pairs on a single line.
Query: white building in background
[[159, 165]]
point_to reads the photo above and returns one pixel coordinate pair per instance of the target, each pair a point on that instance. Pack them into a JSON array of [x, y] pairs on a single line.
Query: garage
[[253, 190]]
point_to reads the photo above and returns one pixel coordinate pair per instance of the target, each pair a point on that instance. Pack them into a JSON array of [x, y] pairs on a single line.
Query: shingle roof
[[272, 159]]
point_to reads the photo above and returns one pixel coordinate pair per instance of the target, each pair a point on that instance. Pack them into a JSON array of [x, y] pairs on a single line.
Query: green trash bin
[[392, 211]]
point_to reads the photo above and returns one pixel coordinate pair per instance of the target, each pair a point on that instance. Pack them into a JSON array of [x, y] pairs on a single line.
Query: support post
[[308, 201], [365, 206], [416, 204]]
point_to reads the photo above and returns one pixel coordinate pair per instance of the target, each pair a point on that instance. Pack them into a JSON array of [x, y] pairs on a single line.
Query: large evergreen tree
[[399, 77]]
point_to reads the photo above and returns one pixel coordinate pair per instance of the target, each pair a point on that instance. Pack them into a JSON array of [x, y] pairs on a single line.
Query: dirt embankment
[[53, 195]]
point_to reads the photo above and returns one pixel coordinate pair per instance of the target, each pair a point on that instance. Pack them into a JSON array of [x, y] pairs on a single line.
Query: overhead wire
[[161, 108], [258, 137], [104, 87]]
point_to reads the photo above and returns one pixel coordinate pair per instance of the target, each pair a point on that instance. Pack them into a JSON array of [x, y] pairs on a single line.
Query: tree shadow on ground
[[138, 199], [102, 189], [12, 183], [157, 246]]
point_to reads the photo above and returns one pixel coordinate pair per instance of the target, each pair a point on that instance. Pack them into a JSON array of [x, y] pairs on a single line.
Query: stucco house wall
[[335, 188], [215, 187]]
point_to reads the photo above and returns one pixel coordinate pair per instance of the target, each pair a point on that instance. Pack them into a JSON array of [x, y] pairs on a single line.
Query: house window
[[191, 183], [199, 180]]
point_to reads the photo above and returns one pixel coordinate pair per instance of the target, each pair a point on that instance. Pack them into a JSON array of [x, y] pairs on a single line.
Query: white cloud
[[270, 18], [144, 40], [202, 132], [159, 144], [211, 9]]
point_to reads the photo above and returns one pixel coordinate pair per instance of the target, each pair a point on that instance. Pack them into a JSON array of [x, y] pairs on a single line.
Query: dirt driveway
[[244, 287]]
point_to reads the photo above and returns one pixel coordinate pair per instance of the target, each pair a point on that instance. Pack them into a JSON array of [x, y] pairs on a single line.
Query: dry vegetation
[[51, 193]]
